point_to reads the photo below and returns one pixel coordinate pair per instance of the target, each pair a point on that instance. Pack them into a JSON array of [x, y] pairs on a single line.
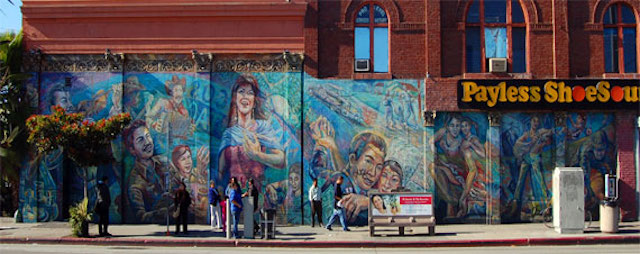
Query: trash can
[[268, 229], [609, 216]]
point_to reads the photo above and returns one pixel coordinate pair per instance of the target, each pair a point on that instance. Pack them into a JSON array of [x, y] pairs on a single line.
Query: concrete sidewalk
[[464, 235]]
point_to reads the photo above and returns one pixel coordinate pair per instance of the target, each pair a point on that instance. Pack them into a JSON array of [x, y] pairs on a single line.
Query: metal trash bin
[[268, 228], [609, 216]]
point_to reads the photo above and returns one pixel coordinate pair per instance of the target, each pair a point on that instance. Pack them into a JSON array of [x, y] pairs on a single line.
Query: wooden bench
[[423, 218]]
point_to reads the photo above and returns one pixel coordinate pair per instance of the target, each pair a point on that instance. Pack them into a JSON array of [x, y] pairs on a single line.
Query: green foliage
[[86, 143], [79, 215]]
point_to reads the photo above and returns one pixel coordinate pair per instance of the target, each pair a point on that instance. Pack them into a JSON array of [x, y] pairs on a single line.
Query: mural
[[590, 145], [460, 170], [367, 131], [528, 160]]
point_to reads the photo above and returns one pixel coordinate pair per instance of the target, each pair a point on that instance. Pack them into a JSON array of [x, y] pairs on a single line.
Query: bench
[[411, 210]]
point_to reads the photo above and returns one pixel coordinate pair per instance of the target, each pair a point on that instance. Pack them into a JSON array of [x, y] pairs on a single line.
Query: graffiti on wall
[[590, 144], [370, 133], [460, 171]]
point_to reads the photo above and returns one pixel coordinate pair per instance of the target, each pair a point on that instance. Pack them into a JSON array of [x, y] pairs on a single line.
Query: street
[[71, 249]]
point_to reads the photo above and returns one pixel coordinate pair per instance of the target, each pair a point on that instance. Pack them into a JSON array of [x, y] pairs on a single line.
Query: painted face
[[454, 127], [177, 93], [245, 99], [142, 143], [368, 168], [389, 180], [185, 164], [294, 182], [599, 152], [63, 99], [535, 123], [377, 202], [465, 127]]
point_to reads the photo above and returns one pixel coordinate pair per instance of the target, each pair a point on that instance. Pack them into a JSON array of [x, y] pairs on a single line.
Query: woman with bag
[[182, 202]]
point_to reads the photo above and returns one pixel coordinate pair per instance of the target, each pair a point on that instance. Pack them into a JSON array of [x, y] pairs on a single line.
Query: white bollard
[[247, 212]]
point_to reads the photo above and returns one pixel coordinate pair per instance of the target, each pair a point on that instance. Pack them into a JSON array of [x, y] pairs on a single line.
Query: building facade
[[436, 96]]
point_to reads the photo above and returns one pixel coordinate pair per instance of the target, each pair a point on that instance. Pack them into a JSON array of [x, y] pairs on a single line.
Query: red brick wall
[[625, 128]]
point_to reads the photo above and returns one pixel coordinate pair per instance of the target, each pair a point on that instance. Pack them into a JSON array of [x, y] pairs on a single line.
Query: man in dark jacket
[[182, 201], [214, 199], [102, 206]]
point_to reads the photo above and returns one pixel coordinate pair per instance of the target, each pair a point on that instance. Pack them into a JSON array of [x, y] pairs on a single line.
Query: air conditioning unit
[[497, 65], [362, 65]]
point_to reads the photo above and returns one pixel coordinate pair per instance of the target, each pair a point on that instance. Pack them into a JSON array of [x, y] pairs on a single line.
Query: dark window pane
[[516, 12], [629, 45], [610, 50], [519, 50], [610, 16], [379, 15], [473, 49], [473, 16], [363, 15], [362, 45], [495, 11], [627, 15], [380, 49]]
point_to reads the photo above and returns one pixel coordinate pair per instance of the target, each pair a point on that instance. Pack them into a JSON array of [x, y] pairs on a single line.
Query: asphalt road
[[72, 249]]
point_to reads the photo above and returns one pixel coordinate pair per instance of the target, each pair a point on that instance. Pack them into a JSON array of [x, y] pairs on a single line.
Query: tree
[[86, 143]]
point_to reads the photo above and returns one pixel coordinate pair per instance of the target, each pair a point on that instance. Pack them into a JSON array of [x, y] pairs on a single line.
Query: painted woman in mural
[[474, 156], [528, 151], [449, 163], [249, 144], [391, 177], [171, 114], [194, 178]]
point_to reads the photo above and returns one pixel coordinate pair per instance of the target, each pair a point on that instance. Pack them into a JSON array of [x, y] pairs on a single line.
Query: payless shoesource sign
[[549, 94]]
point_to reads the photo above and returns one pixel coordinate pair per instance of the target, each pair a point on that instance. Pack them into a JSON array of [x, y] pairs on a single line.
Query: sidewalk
[[464, 235]]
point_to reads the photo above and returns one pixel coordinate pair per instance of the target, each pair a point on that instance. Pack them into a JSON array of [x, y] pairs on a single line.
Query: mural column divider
[[429, 118], [560, 137], [493, 168], [121, 209]]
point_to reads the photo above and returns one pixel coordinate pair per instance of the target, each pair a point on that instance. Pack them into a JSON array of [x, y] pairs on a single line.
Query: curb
[[634, 239]]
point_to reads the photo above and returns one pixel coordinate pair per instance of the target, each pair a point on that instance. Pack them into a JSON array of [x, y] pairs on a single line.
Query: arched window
[[495, 29], [371, 37], [620, 39]]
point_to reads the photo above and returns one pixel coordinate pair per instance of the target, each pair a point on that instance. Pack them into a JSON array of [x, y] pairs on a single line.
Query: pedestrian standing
[[223, 210], [236, 207], [102, 206], [254, 193], [182, 202], [214, 208], [338, 207], [316, 203]]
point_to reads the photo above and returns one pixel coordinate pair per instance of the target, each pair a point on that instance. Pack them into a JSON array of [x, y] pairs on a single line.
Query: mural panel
[[591, 145], [370, 133], [257, 136], [528, 160], [460, 172]]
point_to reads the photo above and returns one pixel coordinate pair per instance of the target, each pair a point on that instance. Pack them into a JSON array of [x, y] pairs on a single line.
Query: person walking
[[338, 208], [223, 210], [235, 198], [102, 206], [316, 203], [254, 193], [182, 202], [214, 208]]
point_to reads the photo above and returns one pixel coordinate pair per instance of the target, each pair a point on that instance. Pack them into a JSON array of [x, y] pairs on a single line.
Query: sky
[[10, 16]]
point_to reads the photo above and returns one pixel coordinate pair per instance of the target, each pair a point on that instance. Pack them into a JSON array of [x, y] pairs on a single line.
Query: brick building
[[315, 115]]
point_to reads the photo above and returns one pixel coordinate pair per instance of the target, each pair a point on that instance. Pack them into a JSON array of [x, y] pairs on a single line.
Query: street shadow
[[295, 234], [191, 234]]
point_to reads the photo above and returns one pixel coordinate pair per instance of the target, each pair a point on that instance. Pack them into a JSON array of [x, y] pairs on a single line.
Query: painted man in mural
[[287, 192], [59, 95], [249, 144], [596, 162], [182, 171], [148, 198], [171, 114], [528, 151]]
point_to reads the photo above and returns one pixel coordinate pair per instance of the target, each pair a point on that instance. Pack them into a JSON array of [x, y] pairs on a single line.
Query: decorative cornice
[[429, 118], [74, 63], [541, 27], [202, 60], [115, 60], [159, 63], [269, 63], [495, 118], [31, 61]]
